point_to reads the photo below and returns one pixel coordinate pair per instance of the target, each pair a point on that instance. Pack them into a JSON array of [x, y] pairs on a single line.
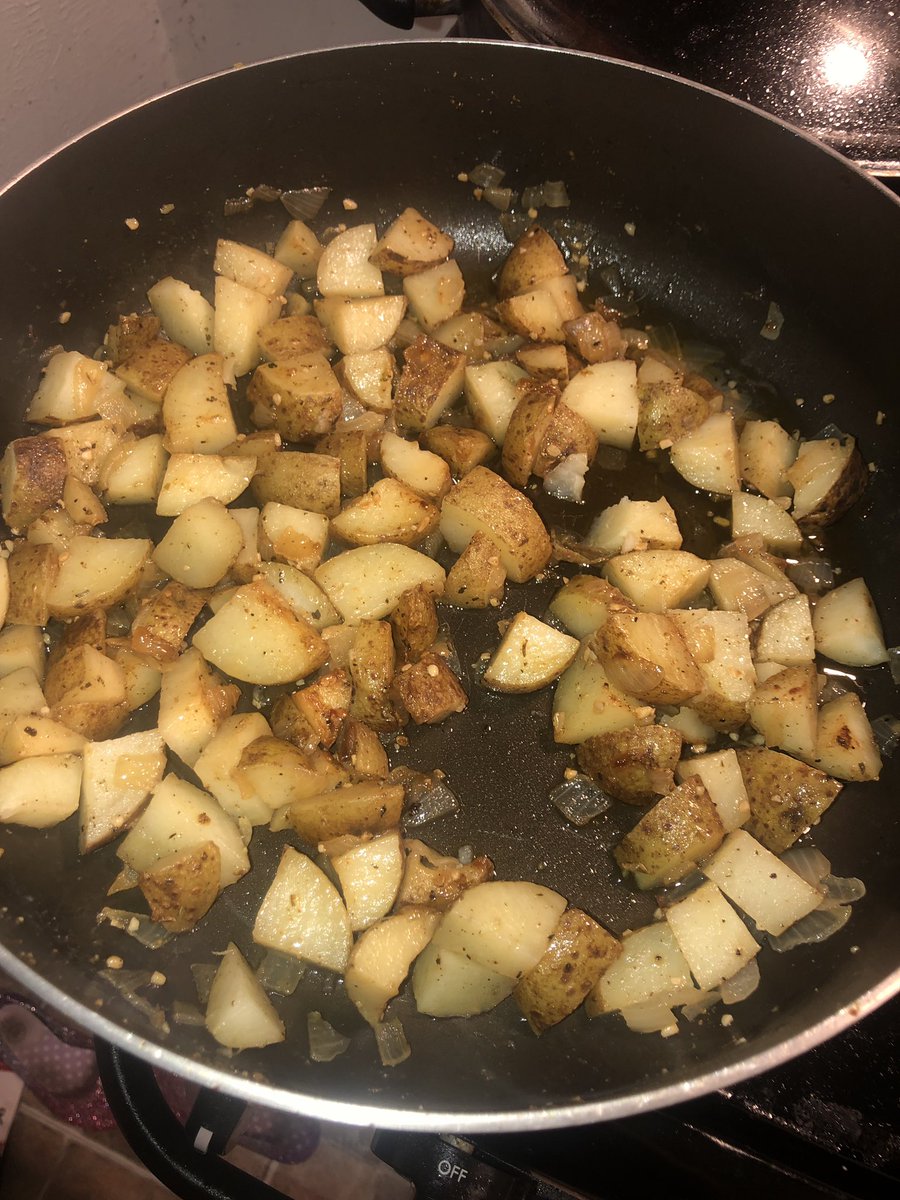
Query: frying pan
[[728, 210]]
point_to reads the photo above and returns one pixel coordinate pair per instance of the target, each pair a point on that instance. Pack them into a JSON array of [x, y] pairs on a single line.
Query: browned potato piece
[[415, 623], [372, 666], [667, 412], [359, 750], [431, 379], [325, 704], [253, 445], [388, 512], [525, 432], [32, 477], [301, 398], [786, 796], [429, 690], [595, 338], [87, 630], [669, 840], [645, 654], [132, 331], [149, 370], [438, 880], [461, 447], [351, 447], [181, 887], [634, 765], [533, 258], [291, 338], [566, 433], [280, 773], [359, 808], [310, 481], [32, 572], [579, 952], [90, 693], [828, 477], [288, 724], [164, 619], [411, 244], [477, 578]]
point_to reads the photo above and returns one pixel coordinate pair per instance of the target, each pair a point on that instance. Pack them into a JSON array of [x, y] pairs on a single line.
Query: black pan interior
[[730, 210]]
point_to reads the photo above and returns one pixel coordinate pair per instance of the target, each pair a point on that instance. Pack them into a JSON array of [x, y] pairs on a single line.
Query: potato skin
[[438, 880], [841, 496], [524, 435], [429, 690], [786, 796], [667, 412], [430, 373], [578, 954], [32, 572], [32, 476], [635, 765], [595, 338], [164, 619], [132, 331], [460, 447], [566, 433], [415, 623], [359, 750], [477, 578], [534, 257], [669, 840], [149, 369], [180, 889]]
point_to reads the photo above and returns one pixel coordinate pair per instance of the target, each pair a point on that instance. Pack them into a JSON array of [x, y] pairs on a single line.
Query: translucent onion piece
[[280, 972], [834, 687], [486, 175], [611, 458], [580, 800], [136, 925], [499, 198], [568, 547], [503, 344], [887, 733], [741, 985], [819, 925], [446, 648], [771, 330], [514, 225], [187, 1014], [203, 974], [126, 984], [812, 575], [125, 880], [650, 1018], [894, 661], [305, 203], [698, 1007], [237, 204], [465, 854], [325, 1043], [807, 862], [266, 193], [612, 278], [392, 1044], [555, 194], [565, 481], [533, 197], [432, 545], [842, 890], [829, 431], [307, 288], [429, 803]]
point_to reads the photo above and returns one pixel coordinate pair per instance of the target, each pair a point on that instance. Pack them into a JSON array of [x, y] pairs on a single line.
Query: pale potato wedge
[[484, 502], [118, 778], [649, 969], [492, 395], [426, 473], [846, 627], [766, 452], [82, 504], [784, 709], [531, 655], [657, 580], [218, 760], [388, 512], [239, 1014], [357, 326], [369, 376], [68, 391], [193, 703], [97, 573], [251, 268], [196, 411], [448, 984], [142, 676], [344, 268], [760, 884], [381, 958], [435, 294], [584, 603], [635, 525], [192, 477], [535, 315], [720, 646], [185, 315], [274, 773], [303, 595], [22, 646], [534, 258], [756, 514], [87, 445], [737, 586], [645, 654], [298, 248], [134, 471], [722, 775], [369, 871], [712, 937], [366, 583], [786, 634], [181, 888], [201, 545], [845, 745], [828, 477], [410, 244], [40, 791], [303, 915], [708, 456], [31, 736]]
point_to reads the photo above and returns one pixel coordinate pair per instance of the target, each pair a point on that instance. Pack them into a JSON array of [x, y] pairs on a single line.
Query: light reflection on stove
[[845, 65]]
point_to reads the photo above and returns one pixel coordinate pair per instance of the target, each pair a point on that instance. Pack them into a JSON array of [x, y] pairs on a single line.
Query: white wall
[[67, 64]]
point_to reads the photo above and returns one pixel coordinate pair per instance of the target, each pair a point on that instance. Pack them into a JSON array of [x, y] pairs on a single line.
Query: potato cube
[[293, 535], [128, 333], [784, 710], [584, 603], [606, 395], [760, 884], [218, 761], [723, 777], [251, 268], [97, 573], [180, 889], [785, 797], [196, 411], [415, 623], [161, 624], [369, 871], [645, 654], [308, 481], [460, 447], [301, 593], [40, 791], [483, 501], [525, 431], [657, 580], [828, 477], [410, 244], [32, 736], [711, 936], [118, 777], [240, 313], [68, 391], [533, 258], [755, 514], [708, 456], [492, 396], [32, 477], [239, 1014], [22, 646], [587, 704], [366, 583], [357, 326], [786, 634], [359, 750], [293, 337], [344, 268], [650, 968], [845, 744], [668, 411], [635, 525], [369, 377], [31, 573], [448, 984], [634, 765], [438, 880], [430, 381], [185, 315], [300, 249], [133, 473], [424, 472], [381, 958], [148, 372], [766, 452], [846, 626], [302, 398], [303, 915], [435, 294], [429, 690], [274, 773], [388, 512], [477, 578], [193, 477], [193, 703], [370, 807], [201, 545], [667, 843], [530, 655]]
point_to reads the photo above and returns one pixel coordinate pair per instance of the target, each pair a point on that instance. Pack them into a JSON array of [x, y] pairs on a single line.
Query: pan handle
[[402, 13], [169, 1150]]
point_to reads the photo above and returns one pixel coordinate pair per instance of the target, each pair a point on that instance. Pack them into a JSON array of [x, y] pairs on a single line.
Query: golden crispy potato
[[370, 807], [86, 630], [325, 704], [483, 501], [525, 432], [460, 447], [148, 370], [359, 750], [786, 796], [634, 765], [533, 258], [646, 655], [33, 571], [181, 887], [438, 880], [415, 623], [595, 338], [132, 331], [410, 244], [667, 843], [32, 477], [429, 690], [372, 666], [431, 379], [477, 578], [309, 481]]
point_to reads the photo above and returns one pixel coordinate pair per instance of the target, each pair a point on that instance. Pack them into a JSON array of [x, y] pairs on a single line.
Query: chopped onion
[[445, 646], [887, 734], [136, 925], [125, 880], [841, 890], [486, 175], [771, 330], [237, 204], [432, 545], [187, 1014], [126, 984], [663, 337], [651, 1017], [514, 225], [465, 854], [833, 688], [894, 661], [503, 345], [741, 985], [392, 1044], [580, 800], [568, 547], [818, 925], [827, 432], [555, 194], [280, 972], [325, 1043], [305, 203], [533, 197], [809, 863], [265, 192], [702, 1004], [565, 481], [499, 198], [427, 796], [204, 974], [812, 575]]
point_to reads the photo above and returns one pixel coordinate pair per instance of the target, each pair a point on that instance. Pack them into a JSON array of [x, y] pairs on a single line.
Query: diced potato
[[535, 314], [133, 473], [505, 927], [695, 732], [668, 411], [389, 512], [438, 880], [525, 432], [760, 884], [293, 535], [369, 871], [149, 370], [360, 808], [492, 396], [372, 662], [550, 361], [649, 968], [303, 915], [381, 958], [712, 937], [87, 446], [635, 764], [291, 338], [785, 797], [193, 703], [828, 477], [218, 761], [185, 315], [344, 268], [738, 587], [367, 583], [410, 244], [239, 1014], [578, 954], [720, 645], [767, 451], [162, 622], [301, 398], [357, 326], [323, 706], [32, 477], [303, 595], [530, 656], [22, 646], [477, 578], [256, 636], [635, 525], [708, 457], [584, 603], [586, 703], [68, 391], [359, 750], [534, 258], [606, 395], [657, 580], [462, 448], [786, 634], [81, 503], [756, 514], [595, 338], [482, 501], [435, 294], [667, 843], [251, 268], [846, 626], [431, 380], [429, 690], [784, 710], [424, 472], [118, 778], [130, 331], [299, 248], [246, 565], [182, 887], [645, 654], [275, 774], [240, 313], [40, 791], [308, 481], [193, 477], [201, 545], [722, 776], [845, 745], [32, 570], [97, 573], [53, 528], [31, 736], [143, 678], [196, 411], [447, 984], [351, 448], [180, 816]]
